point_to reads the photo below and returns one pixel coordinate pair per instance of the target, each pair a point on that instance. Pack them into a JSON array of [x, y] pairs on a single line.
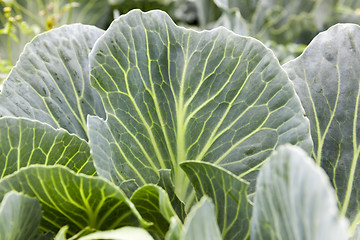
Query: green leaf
[[24, 142], [129, 187], [61, 235], [173, 94], [154, 205], [330, 93], [76, 200], [50, 82], [356, 235], [229, 194], [125, 233], [175, 229], [201, 223], [19, 217], [294, 200], [145, 5]]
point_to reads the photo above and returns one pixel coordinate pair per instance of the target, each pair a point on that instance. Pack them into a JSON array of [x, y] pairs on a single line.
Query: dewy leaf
[[330, 93], [19, 217], [50, 82], [24, 142], [201, 223], [173, 94], [76, 200], [294, 200], [228, 193], [154, 205]]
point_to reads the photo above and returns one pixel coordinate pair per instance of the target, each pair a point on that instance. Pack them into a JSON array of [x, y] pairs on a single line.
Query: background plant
[[286, 27]]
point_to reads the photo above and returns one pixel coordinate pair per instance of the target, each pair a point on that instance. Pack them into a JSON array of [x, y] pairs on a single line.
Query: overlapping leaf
[[294, 200], [76, 200], [19, 217], [201, 222], [154, 205], [166, 183], [228, 193], [50, 83], [25, 142], [173, 94], [326, 78]]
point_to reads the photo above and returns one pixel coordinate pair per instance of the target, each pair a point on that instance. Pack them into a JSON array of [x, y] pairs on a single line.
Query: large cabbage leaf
[[173, 94], [326, 77]]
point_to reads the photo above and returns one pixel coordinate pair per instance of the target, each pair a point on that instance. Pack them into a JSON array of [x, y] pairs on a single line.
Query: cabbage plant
[[152, 131]]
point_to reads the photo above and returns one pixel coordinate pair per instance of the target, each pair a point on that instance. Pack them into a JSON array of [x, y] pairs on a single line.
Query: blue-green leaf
[[50, 82], [19, 217], [201, 223], [326, 78], [294, 200]]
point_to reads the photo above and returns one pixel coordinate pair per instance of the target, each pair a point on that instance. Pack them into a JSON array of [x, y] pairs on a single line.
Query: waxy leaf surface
[[294, 200], [173, 94], [201, 222], [19, 217], [76, 200], [330, 93], [24, 142], [50, 82]]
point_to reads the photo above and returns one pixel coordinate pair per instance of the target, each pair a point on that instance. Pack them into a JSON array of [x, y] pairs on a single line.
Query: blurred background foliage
[[285, 26]]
